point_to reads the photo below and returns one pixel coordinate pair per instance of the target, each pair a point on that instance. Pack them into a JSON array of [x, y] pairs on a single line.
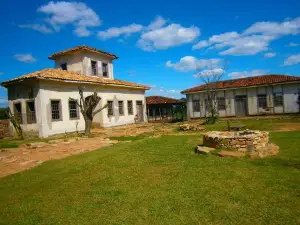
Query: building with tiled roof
[[165, 108], [41, 100], [268, 94]]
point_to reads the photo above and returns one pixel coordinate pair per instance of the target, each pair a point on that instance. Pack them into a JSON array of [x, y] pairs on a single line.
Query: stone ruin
[[191, 127], [249, 142]]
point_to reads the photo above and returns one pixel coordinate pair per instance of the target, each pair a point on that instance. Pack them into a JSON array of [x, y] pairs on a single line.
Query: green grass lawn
[[158, 181], [255, 123]]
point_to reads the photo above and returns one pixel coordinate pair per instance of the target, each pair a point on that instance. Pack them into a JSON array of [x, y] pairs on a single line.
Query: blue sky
[[160, 43]]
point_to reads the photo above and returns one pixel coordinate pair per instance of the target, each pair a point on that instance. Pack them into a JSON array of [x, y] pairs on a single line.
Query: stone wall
[[241, 141], [4, 128]]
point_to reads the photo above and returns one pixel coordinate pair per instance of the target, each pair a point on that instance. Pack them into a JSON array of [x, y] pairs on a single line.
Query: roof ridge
[[59, 75], [254, 80], [79, 47]]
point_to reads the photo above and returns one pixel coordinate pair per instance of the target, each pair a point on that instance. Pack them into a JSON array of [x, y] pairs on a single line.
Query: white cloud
[[38, 27], [166, 37], [292, 44], [253, 40], [274, 28], [200, 44], [26, 58], [114, 32], [292, 60], [228, 36], [249, 45], [210, 72], [171, 93], [157, 23], [243, 74], [1, 73], [63, 13], [190, 63], [269, 54]]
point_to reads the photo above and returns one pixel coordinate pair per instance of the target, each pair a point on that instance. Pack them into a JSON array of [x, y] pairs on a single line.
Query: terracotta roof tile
[[64, 75], [247, 82], [81, 48], [161, 100]]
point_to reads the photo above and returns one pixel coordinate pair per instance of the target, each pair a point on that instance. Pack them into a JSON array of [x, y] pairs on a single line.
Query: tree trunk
[[88, 126]]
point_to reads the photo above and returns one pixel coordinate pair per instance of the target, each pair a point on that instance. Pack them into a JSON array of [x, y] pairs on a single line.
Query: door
[[139, 111], [241, 105]]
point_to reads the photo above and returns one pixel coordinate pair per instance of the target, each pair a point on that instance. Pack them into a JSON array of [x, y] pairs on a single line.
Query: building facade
[[42, 101], [270, 94]]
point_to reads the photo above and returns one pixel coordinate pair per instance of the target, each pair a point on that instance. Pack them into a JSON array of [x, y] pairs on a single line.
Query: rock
[[263, 152], [36, 144], [55, 141], [11, 159], [191, 127], [204, 150], [231, 154]]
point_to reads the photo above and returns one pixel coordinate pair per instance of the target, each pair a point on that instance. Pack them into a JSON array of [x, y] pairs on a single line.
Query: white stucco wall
[[87, 66], [290, 98], [80, 62], [74, 62], [45, 91], [63, 91], [289, 91], [27, 92]]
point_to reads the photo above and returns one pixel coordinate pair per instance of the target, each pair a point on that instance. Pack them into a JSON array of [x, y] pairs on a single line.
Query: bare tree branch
[[87, 106], [211, 77], [99, 110]]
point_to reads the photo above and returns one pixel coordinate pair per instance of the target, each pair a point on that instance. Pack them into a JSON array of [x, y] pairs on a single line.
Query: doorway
[[139, 111], [241, 105]]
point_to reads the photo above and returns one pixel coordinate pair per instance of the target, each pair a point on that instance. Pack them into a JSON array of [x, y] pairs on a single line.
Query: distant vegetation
[[3, 115]]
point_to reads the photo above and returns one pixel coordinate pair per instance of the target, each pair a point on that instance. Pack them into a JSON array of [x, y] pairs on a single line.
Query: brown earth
[[13, 160], [289, 127], [25, 157]]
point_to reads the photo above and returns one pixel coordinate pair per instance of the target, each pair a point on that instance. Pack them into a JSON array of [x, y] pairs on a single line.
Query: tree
[[211, 76], [16, 123], [87, 105]]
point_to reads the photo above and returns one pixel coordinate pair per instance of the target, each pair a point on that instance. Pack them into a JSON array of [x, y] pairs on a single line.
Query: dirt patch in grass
[[13, 160], [288, 127]]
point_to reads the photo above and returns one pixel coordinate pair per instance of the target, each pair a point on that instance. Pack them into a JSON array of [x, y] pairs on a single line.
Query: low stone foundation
[[253, 141]]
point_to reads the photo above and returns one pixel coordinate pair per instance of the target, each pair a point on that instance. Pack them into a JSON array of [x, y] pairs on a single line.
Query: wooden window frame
[[27, 112], [112, 108], [121, 113], [105, 73], [94, 72], [223, 105], [21, 121], [77, 110], [62, 66], [198, 104], [130, 112], [259, 96], [59, 110], [280, 94]]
